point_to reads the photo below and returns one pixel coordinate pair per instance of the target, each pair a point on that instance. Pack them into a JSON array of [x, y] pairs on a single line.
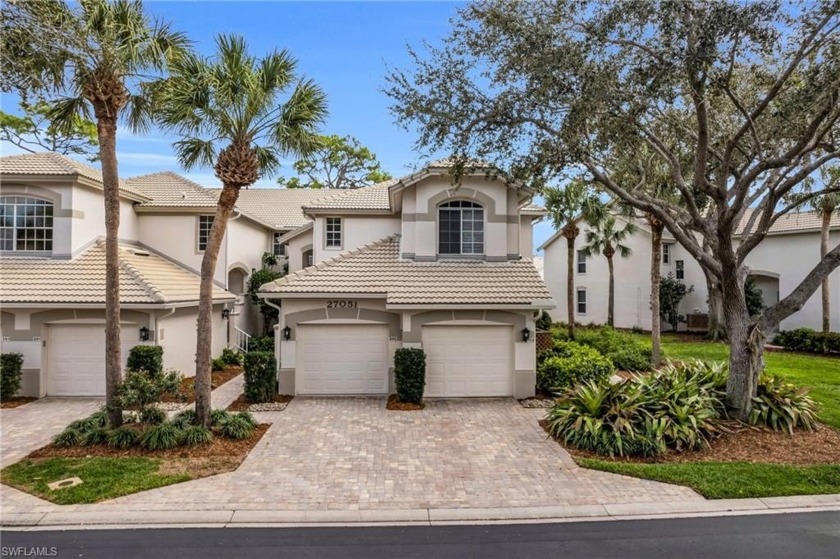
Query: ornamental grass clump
[[161, 437], [123, 437]]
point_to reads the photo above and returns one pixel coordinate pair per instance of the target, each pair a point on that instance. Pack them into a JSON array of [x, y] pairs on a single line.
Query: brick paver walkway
[[353, 454]]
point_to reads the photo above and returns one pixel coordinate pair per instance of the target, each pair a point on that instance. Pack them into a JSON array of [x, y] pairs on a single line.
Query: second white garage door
[[76, 359], [468, 361], [342, 359]]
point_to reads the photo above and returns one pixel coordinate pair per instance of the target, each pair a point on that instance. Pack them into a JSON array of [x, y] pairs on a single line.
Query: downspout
[[157, 323]]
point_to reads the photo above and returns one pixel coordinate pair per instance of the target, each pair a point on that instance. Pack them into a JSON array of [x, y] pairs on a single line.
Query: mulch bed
[[16, 402], [394, 404], [242, 404], [218, 378], [748, 444]]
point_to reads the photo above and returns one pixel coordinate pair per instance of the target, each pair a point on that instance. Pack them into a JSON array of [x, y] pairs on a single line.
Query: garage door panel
[[463, 361], [343, 359], [76, 359]]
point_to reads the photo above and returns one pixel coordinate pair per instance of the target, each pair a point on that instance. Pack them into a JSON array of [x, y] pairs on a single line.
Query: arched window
[[26, 224], [461, 228]]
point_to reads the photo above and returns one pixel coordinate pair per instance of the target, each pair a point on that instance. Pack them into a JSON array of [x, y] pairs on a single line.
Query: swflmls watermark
[[31, 551]]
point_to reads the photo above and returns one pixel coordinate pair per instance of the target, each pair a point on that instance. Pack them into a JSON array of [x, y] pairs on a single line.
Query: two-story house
[[414, 262]]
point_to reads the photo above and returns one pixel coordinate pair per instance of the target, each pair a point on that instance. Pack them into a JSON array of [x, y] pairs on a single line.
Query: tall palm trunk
[[227, 202], [611, 300], [655, 279], [825, 292], [570, 232]]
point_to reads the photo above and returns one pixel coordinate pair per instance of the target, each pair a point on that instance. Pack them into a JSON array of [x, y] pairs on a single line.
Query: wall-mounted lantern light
[[226, 313], [287, 333], [526, 334], [144, 334]]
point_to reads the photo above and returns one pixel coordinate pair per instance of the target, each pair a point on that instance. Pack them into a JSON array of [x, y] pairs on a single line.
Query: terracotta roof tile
[[794, 222], [374, 197]]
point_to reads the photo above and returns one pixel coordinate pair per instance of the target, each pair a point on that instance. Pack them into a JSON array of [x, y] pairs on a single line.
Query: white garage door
[[342, 359], [468, 361], [76, 359]]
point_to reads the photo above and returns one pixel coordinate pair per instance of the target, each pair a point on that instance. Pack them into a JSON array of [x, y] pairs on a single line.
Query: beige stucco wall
[[92, 225], [177, 335], [357, 231], [296, 248]]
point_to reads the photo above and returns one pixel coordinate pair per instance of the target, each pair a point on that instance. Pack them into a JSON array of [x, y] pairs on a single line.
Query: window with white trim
[[26, 224], [205, 223], [332, 238], [666, 254], [680, 269], [581, 301], [460, 228], [581, 261], [278, 248]]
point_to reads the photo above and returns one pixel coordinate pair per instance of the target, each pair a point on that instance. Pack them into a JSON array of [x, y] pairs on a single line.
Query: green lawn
[[103, 478], [732, 480], [821, 374]]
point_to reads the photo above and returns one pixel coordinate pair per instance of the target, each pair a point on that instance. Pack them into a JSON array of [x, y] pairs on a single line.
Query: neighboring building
[[778, 264], [415, 262]]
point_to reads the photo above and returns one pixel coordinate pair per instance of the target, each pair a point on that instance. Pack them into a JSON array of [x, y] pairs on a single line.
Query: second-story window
[[205, 223], [461, 228], [666, 254], [581, 262], [581, 301], [333, 232], [278, 248], [26, 224], [680, 269]]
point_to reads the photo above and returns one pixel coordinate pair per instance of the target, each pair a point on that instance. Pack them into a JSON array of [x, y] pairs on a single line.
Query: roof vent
[[183, 196], [138, 252]]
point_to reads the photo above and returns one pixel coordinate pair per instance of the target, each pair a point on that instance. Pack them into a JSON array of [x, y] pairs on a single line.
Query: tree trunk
[[611, 302], [826, 293], [655, 278], [227, 201], [717, 323], [570, 284], [107, 129]]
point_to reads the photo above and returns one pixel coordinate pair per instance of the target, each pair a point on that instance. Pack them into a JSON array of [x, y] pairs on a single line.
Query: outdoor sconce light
[[526, 334], [225, 313], [144, 334], [287, 333]]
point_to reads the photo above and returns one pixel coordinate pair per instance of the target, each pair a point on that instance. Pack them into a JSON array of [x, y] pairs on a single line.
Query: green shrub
[[197, 435], [139, 390], [782, 406], [570, 363], [11, 374], [260, 344], [219, 417], [161, 437], [410, 374], [808, 340], [236, 427], [68, 437], [626, 351], [152, 415], [217, 364], [232, 357], [95, 437], [260, 376], [184, 419], [247, 417], [123, 437], [147, 358]]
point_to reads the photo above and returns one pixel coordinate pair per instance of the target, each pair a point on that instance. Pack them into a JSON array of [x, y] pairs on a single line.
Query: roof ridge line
[[151, 290]]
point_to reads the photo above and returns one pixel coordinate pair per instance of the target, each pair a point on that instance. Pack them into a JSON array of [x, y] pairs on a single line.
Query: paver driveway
[[30, 427], [351, 453]]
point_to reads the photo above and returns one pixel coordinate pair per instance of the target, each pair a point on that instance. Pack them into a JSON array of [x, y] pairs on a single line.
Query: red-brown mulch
[[16, 402], [218, 378], [241, 403], [748, 444], [394, 404]]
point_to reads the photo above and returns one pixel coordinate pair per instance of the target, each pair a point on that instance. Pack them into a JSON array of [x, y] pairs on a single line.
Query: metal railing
[[242, 339]]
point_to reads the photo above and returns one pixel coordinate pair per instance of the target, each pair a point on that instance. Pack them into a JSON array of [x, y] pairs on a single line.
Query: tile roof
[[795, 222], [533, 209], [145, 278], [373, 197], [281, 207], [50, 163], [377, 268], [168, 189]]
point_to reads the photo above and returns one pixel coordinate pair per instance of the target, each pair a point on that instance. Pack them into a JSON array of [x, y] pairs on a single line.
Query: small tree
[[338, 162], [34, 131], [828, 205], [671, 293], [606, 238], [259, 278]]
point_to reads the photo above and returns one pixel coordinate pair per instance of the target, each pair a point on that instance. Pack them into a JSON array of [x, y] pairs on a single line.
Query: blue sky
[[345, 47]]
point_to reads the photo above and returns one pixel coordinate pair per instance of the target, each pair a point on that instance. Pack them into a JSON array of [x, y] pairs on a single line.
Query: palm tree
[[96, 60], [826, 205], [229, 115], [567, 206], [605, 238]]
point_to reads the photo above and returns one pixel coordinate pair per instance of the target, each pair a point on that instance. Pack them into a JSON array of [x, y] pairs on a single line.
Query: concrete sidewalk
[[81, 516]]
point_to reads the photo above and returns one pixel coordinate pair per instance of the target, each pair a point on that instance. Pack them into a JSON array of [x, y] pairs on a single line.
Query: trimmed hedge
[[260, 376], [568, 364], [410, 374], [625, 351], [11, 373], [808, 340], [261, 344], [147, 358]]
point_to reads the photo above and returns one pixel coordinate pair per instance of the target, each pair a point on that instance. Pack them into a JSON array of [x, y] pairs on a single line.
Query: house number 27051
[[342, 304]]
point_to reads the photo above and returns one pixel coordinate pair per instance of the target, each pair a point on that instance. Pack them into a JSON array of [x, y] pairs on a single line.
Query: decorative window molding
[[26, 224], [460, 228]]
